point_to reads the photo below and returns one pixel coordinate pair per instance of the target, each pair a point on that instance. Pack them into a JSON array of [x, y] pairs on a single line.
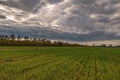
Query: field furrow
[[59, 63]]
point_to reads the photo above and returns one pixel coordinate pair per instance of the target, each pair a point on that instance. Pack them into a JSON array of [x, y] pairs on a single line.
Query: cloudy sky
[[92, 20]]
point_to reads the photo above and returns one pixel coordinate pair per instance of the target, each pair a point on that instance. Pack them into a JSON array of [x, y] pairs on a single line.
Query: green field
[[59, 63]]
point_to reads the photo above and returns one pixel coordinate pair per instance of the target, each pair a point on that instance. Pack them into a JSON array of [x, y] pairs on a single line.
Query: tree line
[[17, 40]]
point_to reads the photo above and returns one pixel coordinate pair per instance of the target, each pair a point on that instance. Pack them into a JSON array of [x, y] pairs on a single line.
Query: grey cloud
[[84, 1], [106, 9], [77, 22], [107, 6], [110, 8], [71, 16], [114, 1], [104, 19], [2, 17], [98, 6], [26, 5], [53, 1], [2, 2]]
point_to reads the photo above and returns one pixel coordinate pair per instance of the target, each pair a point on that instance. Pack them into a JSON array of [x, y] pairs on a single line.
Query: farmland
[[59, 63]]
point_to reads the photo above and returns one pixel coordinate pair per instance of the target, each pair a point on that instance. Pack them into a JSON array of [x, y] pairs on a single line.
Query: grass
[[59, 63]]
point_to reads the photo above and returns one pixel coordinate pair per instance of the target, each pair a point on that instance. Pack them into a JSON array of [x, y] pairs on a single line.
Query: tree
[[18, 37], [110, 45], [43, 40], [3, 37], [93, 44], [103, 45], [12, 36], [26, 38]]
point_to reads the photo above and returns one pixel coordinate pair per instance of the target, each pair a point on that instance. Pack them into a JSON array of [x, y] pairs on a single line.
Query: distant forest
[[17, 40]]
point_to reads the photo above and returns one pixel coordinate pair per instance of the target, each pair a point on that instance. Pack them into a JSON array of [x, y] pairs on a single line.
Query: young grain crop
[[59, 63]]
